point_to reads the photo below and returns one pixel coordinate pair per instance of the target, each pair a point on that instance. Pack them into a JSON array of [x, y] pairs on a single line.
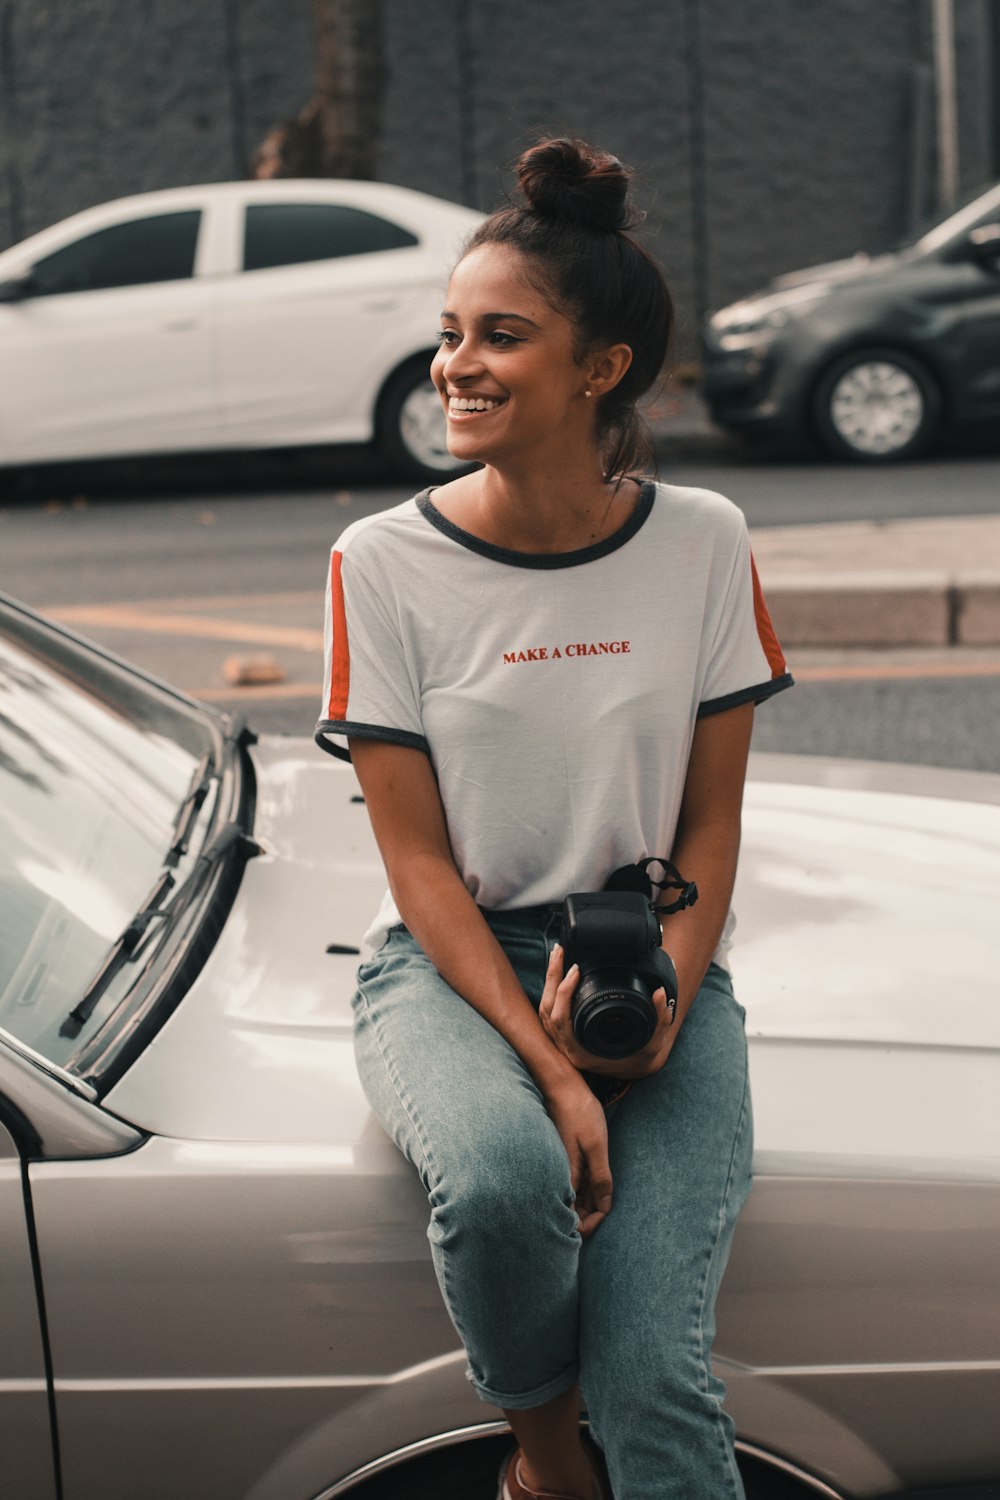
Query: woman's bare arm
[[707, 843]]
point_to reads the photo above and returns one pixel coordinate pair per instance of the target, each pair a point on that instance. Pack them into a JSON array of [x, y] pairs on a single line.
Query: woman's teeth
[[476, 403]]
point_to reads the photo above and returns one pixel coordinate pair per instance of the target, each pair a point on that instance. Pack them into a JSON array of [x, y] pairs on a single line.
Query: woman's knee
[[505, 1184]]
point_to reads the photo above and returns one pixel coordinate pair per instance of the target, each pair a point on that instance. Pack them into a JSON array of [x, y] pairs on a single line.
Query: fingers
[[588, 1212], [583, 1129], [559, 988], [594, 1202], [555, 1006], [587, 1222], [599, 1174], [664, 1011]]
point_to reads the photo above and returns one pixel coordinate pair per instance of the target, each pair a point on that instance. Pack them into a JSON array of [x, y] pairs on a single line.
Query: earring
[[588, 392]]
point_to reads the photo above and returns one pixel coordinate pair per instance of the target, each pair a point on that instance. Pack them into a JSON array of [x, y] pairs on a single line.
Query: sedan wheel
[[412, 428], [876, 407]]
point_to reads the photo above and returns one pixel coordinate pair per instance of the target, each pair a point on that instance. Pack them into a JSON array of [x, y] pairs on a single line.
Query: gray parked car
[[216, 1280], [872, 356]]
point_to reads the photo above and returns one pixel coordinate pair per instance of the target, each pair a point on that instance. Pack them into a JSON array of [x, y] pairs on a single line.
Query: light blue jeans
[[628, 1312]]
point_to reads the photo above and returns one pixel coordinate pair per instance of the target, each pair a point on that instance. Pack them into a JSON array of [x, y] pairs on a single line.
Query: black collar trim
[[647, 494]]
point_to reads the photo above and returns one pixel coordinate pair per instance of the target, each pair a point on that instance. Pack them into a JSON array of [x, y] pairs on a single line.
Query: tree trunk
[[350, 78], [336, 133]]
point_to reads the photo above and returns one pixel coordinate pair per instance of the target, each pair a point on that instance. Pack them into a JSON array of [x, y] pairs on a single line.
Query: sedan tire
[[876, 406], [412, 427]]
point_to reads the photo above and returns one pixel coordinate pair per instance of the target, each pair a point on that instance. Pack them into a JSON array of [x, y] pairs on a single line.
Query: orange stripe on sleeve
[[765, 630], [340, 670]]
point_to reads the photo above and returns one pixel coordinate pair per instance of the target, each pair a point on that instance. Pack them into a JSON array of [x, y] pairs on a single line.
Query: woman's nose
[[461, 362]]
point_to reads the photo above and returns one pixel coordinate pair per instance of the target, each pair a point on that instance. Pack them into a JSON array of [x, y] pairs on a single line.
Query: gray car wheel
[[876, 405], [412, 428]]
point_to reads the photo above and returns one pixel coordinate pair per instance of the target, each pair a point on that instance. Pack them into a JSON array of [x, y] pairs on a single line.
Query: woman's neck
[[561, 511]]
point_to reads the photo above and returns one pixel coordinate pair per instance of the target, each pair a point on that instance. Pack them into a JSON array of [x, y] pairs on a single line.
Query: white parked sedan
[[216, 1277], [228, 316]]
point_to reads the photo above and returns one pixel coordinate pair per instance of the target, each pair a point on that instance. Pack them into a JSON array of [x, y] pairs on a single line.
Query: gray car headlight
[[744, 333], [744, 325]]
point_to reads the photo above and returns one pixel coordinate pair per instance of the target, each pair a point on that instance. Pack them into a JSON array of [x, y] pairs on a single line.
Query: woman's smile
[[467, 407]]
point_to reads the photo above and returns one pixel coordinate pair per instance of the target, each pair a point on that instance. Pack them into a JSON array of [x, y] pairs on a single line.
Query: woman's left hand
[[555, 1009]]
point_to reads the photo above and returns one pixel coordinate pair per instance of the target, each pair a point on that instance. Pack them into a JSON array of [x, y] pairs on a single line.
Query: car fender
[[397, 1422], [380, 1431]]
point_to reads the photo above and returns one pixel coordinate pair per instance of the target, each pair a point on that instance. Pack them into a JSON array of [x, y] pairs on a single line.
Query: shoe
[[512, 1486]]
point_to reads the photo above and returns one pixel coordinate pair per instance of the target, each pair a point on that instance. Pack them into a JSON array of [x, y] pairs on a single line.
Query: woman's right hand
[[583, 1128]]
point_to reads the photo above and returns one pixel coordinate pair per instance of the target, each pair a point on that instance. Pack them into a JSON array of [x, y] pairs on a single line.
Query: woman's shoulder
[[676, 500], [699, 513], [374, 534]]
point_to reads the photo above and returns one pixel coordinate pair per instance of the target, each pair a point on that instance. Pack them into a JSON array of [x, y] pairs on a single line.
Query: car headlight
[[746, 324], [744, 332]]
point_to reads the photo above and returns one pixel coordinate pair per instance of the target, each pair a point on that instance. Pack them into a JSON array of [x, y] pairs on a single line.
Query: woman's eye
[[503, 340], [448, 337]]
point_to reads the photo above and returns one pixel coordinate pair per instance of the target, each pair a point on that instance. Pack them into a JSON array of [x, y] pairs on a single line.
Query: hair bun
[[569, 180]]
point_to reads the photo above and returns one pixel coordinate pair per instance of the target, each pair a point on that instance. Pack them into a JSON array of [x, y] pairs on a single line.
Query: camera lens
[[613, 1013]]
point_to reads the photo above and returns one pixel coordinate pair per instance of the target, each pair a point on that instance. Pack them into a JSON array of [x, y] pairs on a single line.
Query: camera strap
[[638, 878]]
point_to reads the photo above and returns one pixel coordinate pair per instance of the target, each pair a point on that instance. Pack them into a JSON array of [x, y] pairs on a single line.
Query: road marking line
[[118, 617], [276, 690], [205, 601]]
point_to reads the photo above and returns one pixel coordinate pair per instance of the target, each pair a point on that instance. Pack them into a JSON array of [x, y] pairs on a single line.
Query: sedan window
[[289, 234], [136, 253]]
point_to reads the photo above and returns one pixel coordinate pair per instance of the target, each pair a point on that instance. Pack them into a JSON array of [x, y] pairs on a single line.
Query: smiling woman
[[523, 726]]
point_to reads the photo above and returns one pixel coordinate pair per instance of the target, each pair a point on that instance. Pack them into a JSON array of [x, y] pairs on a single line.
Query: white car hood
[[865, 956]]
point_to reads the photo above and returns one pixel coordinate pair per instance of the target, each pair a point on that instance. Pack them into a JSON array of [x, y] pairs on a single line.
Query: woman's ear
[[607, 368]]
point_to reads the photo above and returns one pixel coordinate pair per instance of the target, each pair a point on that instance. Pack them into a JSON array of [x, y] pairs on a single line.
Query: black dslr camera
[[615, 938]]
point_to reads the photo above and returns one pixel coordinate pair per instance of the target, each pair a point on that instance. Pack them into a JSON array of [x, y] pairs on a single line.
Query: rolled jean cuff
[[524, 1400]]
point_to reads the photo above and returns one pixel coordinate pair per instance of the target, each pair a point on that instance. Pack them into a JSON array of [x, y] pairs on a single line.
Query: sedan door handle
[[182, 325]]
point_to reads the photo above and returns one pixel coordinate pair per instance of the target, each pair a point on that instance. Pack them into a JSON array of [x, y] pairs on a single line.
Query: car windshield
[[95, 768], [979, 207]]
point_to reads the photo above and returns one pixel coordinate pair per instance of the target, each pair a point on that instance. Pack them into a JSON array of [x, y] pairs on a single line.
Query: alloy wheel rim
[[424, 428], [877, 408]]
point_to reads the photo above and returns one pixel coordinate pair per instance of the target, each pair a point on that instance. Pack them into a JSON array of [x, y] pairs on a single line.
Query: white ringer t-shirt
[[556, 693]]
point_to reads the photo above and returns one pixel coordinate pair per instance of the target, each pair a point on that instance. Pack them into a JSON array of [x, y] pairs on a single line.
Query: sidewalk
[[928, 582]]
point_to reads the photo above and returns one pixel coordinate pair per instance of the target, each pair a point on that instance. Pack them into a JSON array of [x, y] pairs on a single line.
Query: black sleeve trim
[[364, 732], [758, 694]]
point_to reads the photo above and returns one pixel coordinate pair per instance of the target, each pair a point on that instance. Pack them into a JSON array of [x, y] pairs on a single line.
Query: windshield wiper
[[229, 840], [120, 954], [180, 835]]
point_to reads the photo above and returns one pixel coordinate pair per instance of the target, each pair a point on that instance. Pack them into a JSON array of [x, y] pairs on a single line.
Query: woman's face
[[507, 369]]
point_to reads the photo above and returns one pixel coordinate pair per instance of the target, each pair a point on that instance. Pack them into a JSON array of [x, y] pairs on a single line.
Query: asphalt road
[[774, 487], [182, 583], [797, 492]]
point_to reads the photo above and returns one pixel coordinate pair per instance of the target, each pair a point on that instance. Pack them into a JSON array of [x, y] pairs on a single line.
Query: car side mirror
[[16, 288], [984, 244]]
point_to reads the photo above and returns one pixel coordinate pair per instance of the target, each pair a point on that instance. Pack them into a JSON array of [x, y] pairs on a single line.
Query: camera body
[[615, 938]]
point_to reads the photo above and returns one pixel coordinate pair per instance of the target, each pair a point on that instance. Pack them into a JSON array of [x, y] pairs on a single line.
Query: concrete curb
[[884, 610], [930, 581], [978, 609]]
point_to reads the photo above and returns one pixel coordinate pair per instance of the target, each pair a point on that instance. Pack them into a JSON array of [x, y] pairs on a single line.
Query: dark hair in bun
[[574, 227], [563, 179]]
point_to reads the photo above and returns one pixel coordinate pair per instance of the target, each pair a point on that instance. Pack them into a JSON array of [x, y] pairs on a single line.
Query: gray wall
[[768, 134]]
